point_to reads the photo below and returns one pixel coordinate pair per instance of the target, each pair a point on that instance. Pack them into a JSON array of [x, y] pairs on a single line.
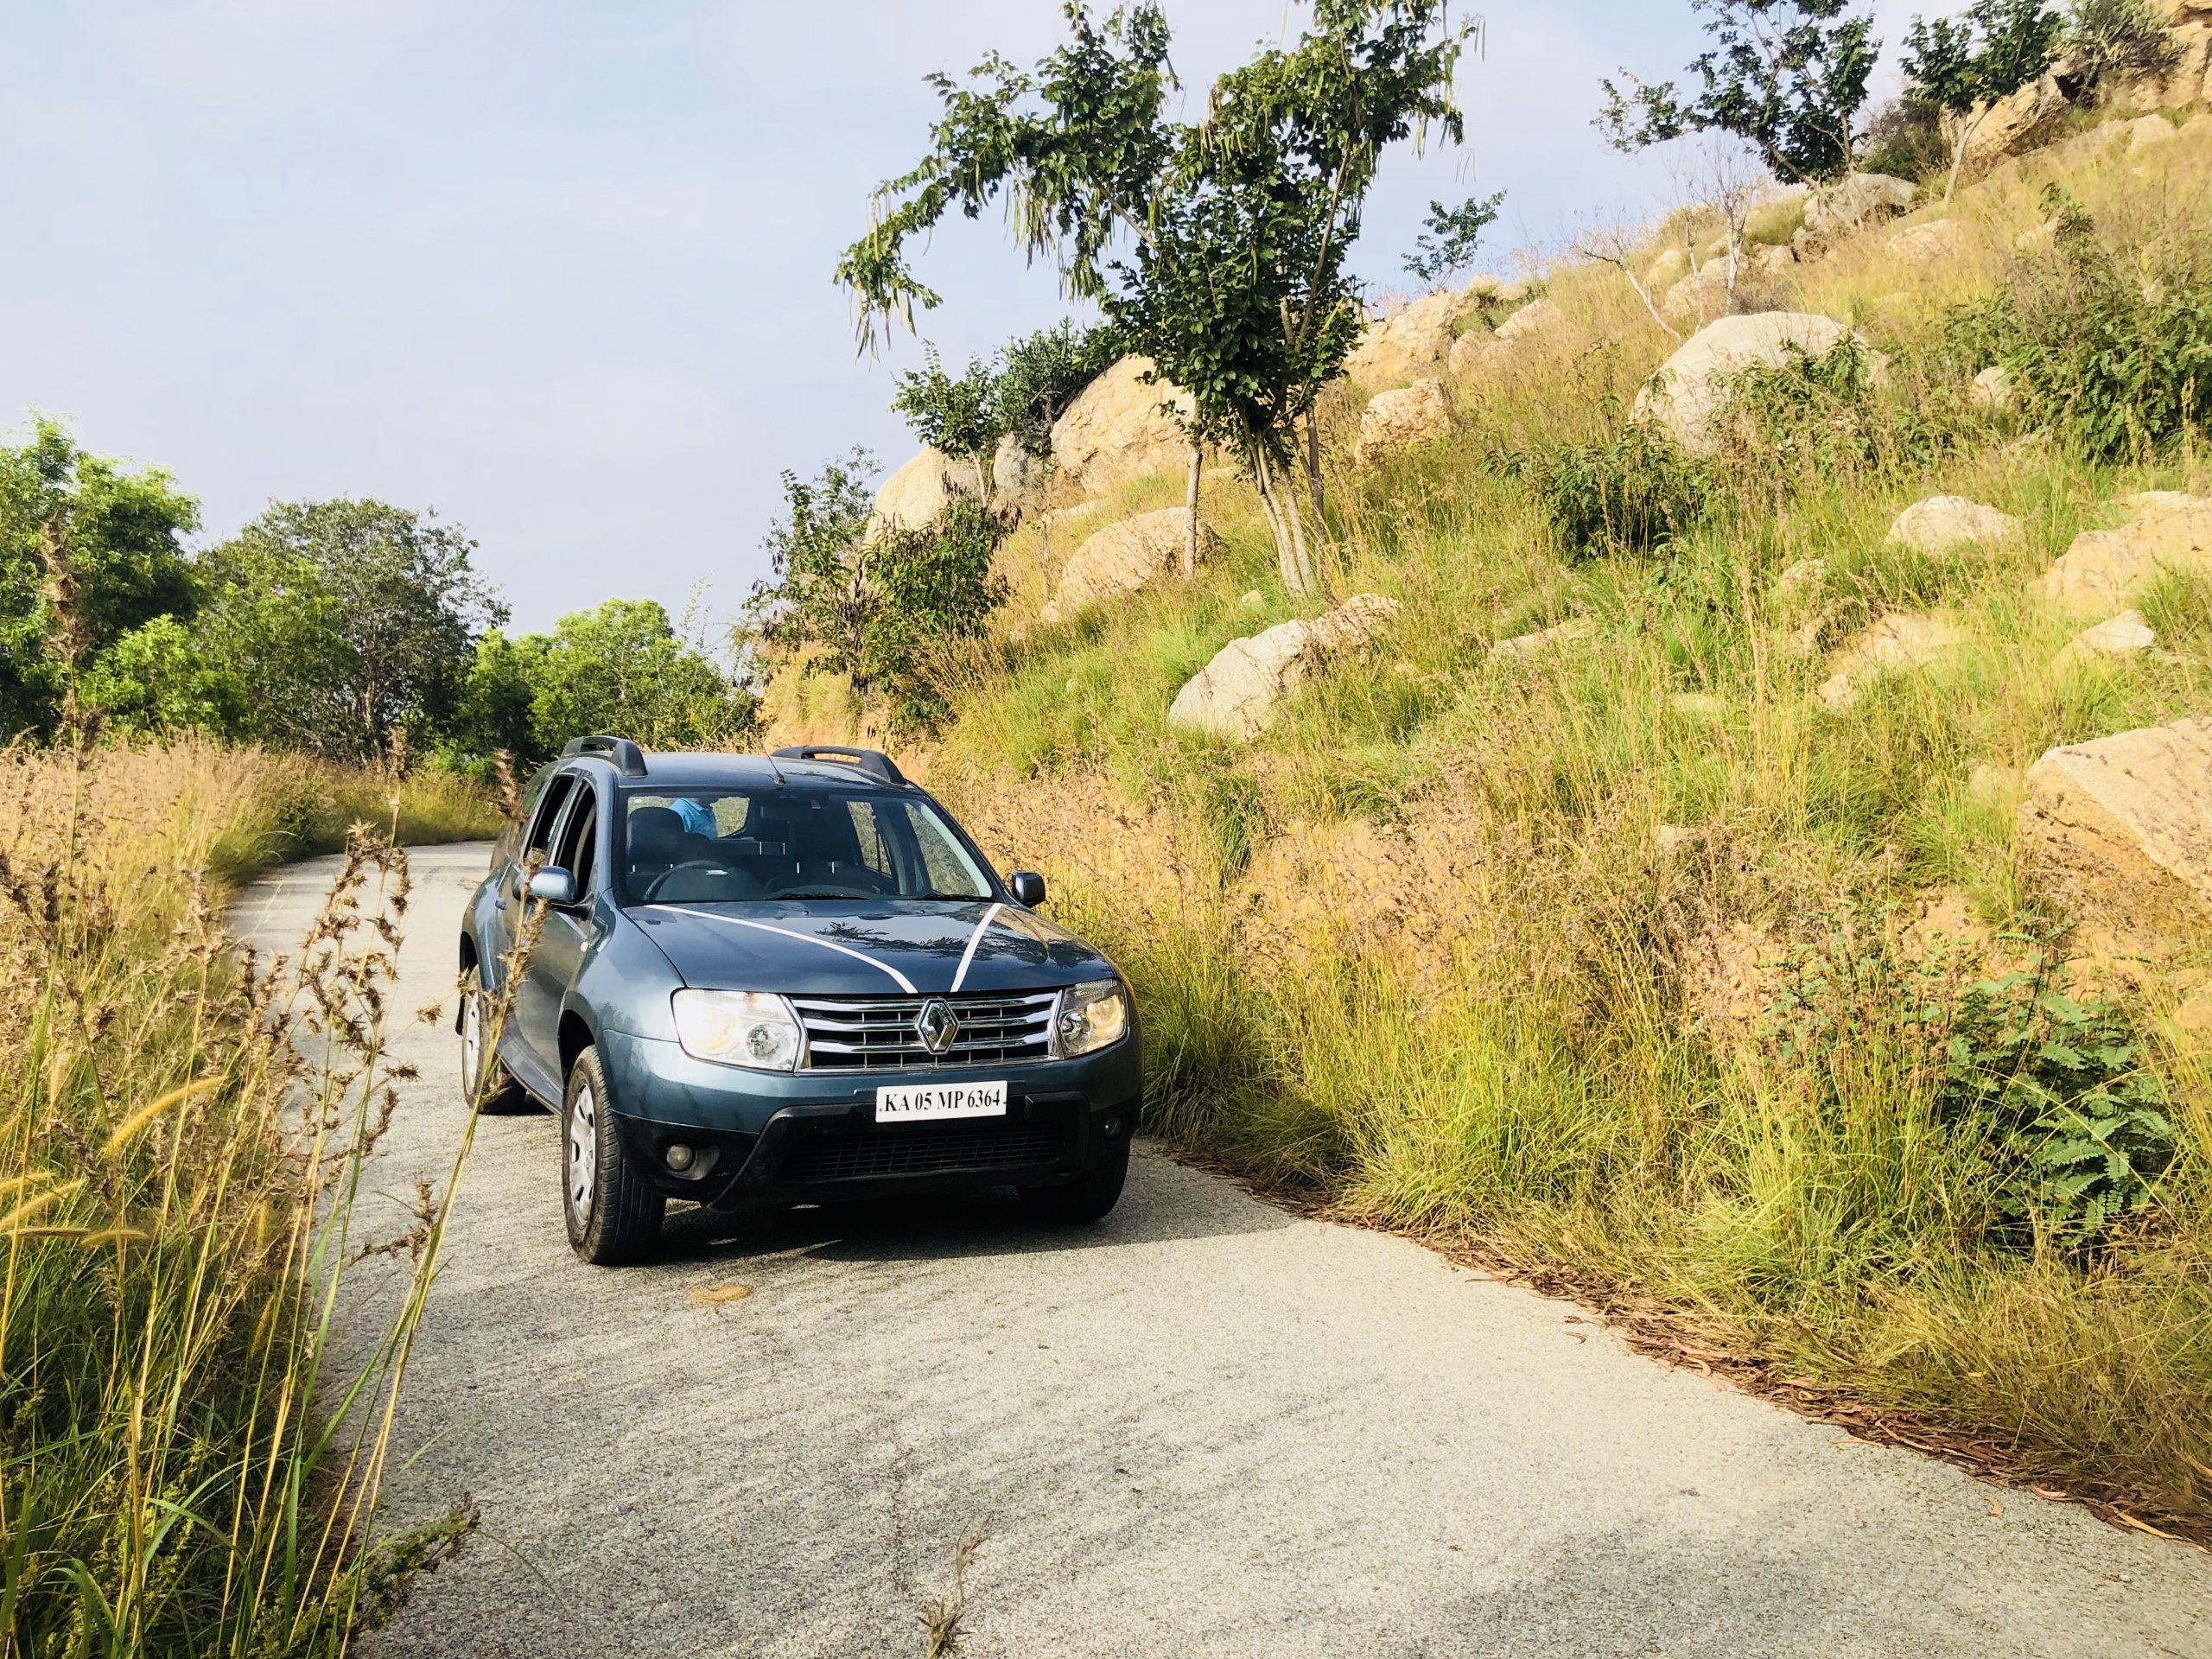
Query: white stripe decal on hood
[[905, 983], [975, 939]]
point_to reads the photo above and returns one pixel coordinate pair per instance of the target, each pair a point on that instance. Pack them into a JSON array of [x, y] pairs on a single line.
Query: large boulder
[[2128, 634], [2120, 830], [1536, 318], [1932, 244], [1119, 427], [2105, 568], [921, 490], [1239, 693], [1401, 420], [1862, 199], [1897, 642], [1699, 297], [1943, 522], [1019, 479], [1411, 345], [1685, 393], [1126, 557]]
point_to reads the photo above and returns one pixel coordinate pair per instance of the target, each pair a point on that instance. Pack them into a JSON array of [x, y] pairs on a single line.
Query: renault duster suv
[[787, 978]]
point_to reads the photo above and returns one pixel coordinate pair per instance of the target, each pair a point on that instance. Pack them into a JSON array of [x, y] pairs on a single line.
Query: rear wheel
[[480, 1069], [613, 1214], [1090, 1197]]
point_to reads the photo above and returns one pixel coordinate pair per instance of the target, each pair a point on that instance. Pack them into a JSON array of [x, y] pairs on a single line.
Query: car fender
[[624, 982]]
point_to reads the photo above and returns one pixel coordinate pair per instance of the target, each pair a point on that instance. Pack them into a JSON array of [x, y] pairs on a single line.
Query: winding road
[[1205, 1427]]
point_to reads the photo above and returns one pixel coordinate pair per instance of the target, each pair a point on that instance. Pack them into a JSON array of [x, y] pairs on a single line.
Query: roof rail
[[873, 762], [629, 759]]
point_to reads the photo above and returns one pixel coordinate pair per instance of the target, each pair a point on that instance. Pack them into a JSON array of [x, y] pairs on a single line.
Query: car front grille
[[881, 1033], [919, 1149]]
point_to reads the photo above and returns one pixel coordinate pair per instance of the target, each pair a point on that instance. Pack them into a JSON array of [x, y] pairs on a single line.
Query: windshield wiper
[[946, 897], [823, 892]]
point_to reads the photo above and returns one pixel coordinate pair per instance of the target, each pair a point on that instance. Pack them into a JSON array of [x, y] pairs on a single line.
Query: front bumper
[[812, 1136]]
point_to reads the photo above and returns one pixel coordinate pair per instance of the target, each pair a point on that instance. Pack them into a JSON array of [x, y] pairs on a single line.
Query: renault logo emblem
[[936, 1025]]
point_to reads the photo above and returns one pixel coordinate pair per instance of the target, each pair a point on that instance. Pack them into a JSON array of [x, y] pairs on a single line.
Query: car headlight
[[1093, 1014], [748, 1028]]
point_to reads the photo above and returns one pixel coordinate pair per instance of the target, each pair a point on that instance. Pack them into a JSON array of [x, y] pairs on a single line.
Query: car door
[[533, 850], [561, 942]]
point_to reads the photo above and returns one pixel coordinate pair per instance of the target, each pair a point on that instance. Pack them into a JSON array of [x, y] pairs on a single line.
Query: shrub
[[2115, 40], [2115, 358], [1038, 376], [1905, 140], [1633, 491]]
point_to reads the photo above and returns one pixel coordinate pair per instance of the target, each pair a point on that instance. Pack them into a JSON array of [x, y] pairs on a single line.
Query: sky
[[560, 271]]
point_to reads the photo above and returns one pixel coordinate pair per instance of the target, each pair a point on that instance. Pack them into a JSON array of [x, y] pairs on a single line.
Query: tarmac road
[[1205, 1427]]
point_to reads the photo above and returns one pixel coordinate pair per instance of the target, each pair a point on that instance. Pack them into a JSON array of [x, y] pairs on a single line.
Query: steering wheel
[[845, 889], [694, 867]]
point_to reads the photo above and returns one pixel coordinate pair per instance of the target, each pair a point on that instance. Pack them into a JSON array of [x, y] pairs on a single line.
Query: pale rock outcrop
[[2124, 635], [2105, 568], [1410, 346], [1670, 266], [2120, 831], [1773, 261], [1898, 643], [1117, 428], [1019, 479], [1929, 243], [1240, 693], [1687, 392], [1475, 352], [2149, 132], [1522, 647], [1698, 298], [1993, 389], [1393, 422], [1943, 522], [912, 497], [1537, 317], [2144, 501], [1862, 199], [1127, 556]]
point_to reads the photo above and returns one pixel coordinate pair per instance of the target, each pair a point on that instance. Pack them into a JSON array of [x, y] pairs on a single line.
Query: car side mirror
[[1027, 888], [554, 885]]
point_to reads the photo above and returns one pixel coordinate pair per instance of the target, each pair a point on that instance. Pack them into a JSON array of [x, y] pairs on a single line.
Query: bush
[[1635, 492], [2115, 40], [1905, 140], [2115, 357]]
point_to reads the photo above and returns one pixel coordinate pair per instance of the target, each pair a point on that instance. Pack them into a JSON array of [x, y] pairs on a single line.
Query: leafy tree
[[1788, 77], [2115, 40], [955, 414], [934, 590], [1038, 376], [352, 620], [495, 712], [819, 598], [1961, 66], [1216, 249], [88, 553], [1448, 244], [155, 680], [625, 668]]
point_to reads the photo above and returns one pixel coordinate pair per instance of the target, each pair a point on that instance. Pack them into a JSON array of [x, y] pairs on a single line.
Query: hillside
[[1695, 880]]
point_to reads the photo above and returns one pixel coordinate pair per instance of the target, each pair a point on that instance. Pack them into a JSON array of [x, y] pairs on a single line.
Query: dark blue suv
[[788, 978]]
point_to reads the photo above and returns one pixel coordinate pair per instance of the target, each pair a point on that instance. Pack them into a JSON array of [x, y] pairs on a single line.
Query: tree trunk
[[1191, 500], [1290, 538], [1313, 472]]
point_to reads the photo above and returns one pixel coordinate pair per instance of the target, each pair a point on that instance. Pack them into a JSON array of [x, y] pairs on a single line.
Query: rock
[[1667, 839], [2149, 132], [1396, 421], [1994, 785], [1410, 346], [1773, 261], [1117, 428], [1687, 386], [1019, 479], [2104, 569], [2120, 830], [1126, 557], [1537, 317], [1476, 352], [1240, 693], [1523, 646], [1900, 642], [921, 490], [2012, 118], [1929, 243], [1699, 297], [2143, 501], [2124, 635], [1252, 599], [1483, 288], [1993, 389], [1862, 199], [1669, 267], [1802, 582], [1512, 293], [1943, 522]]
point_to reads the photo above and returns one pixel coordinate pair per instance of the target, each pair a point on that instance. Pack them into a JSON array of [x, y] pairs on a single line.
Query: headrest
[[655, 832]]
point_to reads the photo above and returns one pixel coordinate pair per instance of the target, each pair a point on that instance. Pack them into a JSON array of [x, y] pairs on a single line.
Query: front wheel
[[485, 1083], [1090, 1197], [613, 1214]]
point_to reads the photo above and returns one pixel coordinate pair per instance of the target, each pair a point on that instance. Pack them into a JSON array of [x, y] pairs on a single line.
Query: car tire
[[613, 1214], [1090, 1197], [502, 1095]]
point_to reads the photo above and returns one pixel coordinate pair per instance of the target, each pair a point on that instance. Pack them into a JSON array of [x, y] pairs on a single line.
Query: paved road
[[1206, 1429]]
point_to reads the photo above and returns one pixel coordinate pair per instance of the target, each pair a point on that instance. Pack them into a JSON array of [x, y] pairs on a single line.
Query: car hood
[[848, 947]]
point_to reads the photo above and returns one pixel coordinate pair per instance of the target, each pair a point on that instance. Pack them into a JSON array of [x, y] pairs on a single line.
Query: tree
[[88, 553], [1788, 77], [1039, 376], [1216, 249], [154, 681], [624, 668], [956, 415], [352, 621], [934, 590], [1961, 66], [1447, 246], [818, 598]]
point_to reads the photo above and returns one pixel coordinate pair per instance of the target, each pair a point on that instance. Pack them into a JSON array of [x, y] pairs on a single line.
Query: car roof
[[735, 771]]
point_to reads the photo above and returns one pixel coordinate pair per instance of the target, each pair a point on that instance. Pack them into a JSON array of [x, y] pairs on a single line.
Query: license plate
[[919, 1102]]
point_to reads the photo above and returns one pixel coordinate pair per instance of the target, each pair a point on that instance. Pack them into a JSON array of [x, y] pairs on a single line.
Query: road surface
[[1206, 1427]]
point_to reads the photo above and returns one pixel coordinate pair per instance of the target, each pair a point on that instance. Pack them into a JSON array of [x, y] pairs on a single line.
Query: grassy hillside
[[179, 1475], [1627, 962]]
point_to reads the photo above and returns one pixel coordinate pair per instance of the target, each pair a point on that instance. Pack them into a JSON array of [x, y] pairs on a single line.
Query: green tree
[[496, 709], [624, 668], [956, 415], [88, 553], [818, 598], [1961, 66], [352, 620], [1214, 248], [1447, 246], [1039, 375], [155, 680], [1788, 77]]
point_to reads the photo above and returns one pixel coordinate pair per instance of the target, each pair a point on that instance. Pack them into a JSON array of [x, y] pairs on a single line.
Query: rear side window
[[540, 838], [578, 847]]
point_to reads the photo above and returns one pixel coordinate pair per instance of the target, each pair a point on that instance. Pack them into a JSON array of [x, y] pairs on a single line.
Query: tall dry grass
[[180, 1146]]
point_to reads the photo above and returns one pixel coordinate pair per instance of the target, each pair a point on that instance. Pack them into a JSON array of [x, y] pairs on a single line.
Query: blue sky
[[562, 269]]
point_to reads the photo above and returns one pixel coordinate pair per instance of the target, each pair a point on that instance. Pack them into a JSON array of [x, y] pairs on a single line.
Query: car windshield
[[708, 846]]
